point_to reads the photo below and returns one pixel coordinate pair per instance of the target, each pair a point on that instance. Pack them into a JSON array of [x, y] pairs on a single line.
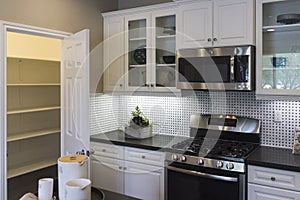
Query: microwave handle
[[231, 68], [204, 175]]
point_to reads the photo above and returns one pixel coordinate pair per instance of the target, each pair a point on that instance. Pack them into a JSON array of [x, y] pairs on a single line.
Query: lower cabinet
[[107, 173], [272, 184], [128, 171]]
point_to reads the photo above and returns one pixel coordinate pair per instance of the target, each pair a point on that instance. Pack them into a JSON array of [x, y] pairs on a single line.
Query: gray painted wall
[[65, 15], [123, 4]]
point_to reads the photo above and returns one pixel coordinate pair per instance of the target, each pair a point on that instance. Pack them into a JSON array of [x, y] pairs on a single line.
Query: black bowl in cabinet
[[169, 59]]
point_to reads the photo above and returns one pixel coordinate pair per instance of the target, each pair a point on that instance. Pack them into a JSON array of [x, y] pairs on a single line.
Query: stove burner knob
[[230, 165], [200, 162], [174, 157], [219, 164], [183, 159]]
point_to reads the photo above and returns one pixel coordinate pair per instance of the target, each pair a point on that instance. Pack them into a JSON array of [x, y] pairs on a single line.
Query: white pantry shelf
[[33, 110], [13, 172], [32, 84], [28, 135]]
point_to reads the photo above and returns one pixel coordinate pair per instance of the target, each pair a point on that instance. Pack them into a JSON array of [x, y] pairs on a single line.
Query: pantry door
[[75, 94]]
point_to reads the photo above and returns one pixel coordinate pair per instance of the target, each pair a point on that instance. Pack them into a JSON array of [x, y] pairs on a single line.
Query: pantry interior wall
[[33, 110]]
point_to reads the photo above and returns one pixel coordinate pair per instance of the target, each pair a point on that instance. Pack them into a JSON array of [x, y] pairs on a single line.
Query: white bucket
[[78, 189], [71, 167]]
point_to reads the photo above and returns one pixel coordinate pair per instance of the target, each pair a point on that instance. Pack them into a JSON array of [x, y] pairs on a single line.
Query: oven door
[[191, 184]]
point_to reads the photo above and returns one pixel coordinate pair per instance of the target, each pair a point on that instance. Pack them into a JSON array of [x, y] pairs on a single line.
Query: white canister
[[45, 189], [71, 167], [78, 189]]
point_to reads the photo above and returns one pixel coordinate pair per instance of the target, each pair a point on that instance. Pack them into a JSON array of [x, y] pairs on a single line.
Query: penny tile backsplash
[[170, 115]]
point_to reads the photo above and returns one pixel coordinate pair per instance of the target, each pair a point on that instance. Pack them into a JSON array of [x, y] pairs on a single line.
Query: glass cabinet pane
[[281, 45], [137, 52], [165, 40]]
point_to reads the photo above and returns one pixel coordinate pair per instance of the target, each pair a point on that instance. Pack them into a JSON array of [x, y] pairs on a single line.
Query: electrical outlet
[[277, 116]]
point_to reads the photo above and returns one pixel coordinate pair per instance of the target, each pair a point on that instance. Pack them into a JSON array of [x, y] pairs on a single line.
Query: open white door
[[75, 94]]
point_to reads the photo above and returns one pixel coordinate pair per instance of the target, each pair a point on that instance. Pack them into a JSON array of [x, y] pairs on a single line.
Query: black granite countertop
[[157, 142], [276, 158]]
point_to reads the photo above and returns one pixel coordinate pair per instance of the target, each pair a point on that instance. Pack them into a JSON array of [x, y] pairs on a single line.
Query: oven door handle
[[204, 175]]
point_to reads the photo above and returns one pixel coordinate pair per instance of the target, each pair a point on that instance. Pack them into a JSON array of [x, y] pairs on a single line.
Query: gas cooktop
[[212, 148], [217, 141]]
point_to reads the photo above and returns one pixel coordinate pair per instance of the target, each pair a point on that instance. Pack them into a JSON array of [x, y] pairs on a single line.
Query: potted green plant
[[140, 127]]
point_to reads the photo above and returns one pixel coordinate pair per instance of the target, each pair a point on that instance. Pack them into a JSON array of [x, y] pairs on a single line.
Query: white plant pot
[[136, 132]]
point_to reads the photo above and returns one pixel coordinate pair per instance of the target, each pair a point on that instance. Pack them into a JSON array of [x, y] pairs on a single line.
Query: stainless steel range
[[211, 163]]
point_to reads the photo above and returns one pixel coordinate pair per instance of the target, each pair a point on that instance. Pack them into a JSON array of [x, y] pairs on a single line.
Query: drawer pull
[[120, 167], [124, 168], [273, 179], [103, 150], [143, 157]]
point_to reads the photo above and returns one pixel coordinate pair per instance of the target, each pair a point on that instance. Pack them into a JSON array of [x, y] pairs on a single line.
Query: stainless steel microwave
[[216, 68]]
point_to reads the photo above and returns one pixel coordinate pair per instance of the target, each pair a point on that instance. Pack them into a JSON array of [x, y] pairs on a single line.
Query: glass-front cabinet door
[[137, 59], [150, 44], [278, 47], [164, 38]]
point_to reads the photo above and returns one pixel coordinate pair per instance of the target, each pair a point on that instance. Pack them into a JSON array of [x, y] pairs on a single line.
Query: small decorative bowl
[[169, 59]]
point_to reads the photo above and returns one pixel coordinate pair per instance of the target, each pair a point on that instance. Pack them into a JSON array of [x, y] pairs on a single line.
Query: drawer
[[144, 156], [258, 192], [108, 150], [274, 177]]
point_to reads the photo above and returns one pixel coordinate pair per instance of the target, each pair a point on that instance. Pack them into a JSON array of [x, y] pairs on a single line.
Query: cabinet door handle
[[273, 179], [143, 156], [124, 168], [103, 150], [120, 167], [121, 85], [215, 39], [209, 40]]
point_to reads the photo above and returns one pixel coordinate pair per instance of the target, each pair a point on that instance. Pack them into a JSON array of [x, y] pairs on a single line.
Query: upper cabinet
[[278, 48], [139, 49], [216, 23], [113, 59]]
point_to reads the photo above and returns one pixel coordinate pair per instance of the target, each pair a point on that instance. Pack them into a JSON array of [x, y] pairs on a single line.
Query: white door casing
[[3, 186], [75, 93]]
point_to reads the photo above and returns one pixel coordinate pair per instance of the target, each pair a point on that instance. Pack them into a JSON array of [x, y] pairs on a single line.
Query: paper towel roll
[[45, 189], [78, 189], [71, 167]]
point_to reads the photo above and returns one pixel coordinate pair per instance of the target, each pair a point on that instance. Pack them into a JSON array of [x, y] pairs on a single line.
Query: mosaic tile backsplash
[[170, 115]]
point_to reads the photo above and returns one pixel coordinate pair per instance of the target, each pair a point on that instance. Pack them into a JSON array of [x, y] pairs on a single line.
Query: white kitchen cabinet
[[143, 37], [144, 181], [113, 45], [269, 183], [278, 57], [216, 23], [107, 173], [130, 171]]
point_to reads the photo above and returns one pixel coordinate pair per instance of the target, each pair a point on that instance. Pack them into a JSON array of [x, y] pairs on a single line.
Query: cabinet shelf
[[280, 69], [30, 168], [32, 84], [166, 65], [133, 66], [166, 36], [29, 135], [33, 110], [288, 27], [137, 39]]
